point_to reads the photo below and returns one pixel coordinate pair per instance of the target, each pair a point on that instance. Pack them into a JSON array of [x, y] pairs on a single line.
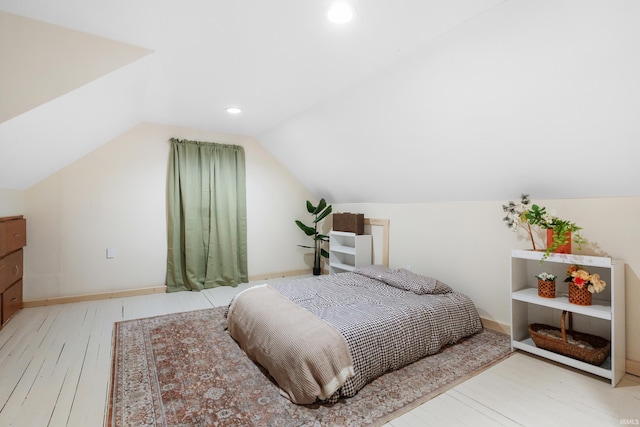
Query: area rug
[[185, 370]]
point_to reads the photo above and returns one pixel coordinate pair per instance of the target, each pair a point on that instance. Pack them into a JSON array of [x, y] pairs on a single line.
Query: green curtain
[[207, 219]]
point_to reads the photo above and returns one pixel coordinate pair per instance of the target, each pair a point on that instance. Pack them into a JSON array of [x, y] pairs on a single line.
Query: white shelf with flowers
[[605, 317]]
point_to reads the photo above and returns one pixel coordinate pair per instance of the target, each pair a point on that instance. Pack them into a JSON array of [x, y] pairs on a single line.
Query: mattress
[[389, 318]]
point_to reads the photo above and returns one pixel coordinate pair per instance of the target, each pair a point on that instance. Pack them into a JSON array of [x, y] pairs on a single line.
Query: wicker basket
[[595, 356], [546, 288], [579, 296]]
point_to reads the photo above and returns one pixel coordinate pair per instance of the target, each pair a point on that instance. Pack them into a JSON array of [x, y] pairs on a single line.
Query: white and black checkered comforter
[[385, 327]]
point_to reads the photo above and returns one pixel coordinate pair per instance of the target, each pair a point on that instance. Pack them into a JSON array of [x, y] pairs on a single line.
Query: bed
[[325, 337]]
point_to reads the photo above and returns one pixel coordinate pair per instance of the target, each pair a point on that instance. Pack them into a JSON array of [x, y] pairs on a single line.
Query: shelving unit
[[347, 251], [605, 317]]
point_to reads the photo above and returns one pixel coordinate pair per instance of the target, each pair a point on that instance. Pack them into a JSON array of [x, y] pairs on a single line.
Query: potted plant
[[319, 213], [560, 231], [546, 285]]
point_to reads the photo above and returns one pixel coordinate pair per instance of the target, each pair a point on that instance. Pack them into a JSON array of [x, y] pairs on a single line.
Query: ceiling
[[304, 82], [272, 58]]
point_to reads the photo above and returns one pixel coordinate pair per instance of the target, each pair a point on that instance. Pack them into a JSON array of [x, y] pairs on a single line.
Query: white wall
[[11, 202], [116, 197], [467, 245]]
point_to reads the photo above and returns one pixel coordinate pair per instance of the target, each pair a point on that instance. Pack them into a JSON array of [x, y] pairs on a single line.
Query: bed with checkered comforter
[[388, 318]]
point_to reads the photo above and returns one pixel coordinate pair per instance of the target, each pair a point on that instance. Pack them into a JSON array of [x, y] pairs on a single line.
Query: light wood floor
[[55, 363]]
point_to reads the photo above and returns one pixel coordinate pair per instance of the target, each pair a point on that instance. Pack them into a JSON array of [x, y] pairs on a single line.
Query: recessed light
[[340, 13], [234, 110]]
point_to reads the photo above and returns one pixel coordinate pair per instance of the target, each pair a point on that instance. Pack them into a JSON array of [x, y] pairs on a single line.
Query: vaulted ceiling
[[413, 100]]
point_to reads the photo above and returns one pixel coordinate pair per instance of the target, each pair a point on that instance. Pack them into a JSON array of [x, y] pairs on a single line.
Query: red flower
[[579, 282]]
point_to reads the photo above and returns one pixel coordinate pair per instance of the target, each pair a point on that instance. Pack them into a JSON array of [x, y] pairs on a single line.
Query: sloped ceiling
[[415, 100], [44, 61], [273, 58], [64, 93], [541, 97]]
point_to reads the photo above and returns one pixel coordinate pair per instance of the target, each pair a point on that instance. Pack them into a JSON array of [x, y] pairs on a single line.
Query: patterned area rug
[[185, 370]]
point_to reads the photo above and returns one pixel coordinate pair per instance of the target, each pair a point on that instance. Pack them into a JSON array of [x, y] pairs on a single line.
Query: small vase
[[546, 288], [579, 296], [564, 249]]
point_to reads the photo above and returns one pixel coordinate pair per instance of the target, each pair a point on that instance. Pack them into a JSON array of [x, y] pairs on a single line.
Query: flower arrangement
[[546, 285], [520, 215], [581, 278], [547, 277]]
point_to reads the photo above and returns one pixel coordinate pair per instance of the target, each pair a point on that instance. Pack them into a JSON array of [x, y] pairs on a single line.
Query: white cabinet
[[605, 317], [347, 251]]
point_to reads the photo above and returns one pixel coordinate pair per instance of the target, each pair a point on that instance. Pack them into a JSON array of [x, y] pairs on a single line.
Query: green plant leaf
[[309, 231], [324, 253], [321, 205], [323, 214], [310, 208]]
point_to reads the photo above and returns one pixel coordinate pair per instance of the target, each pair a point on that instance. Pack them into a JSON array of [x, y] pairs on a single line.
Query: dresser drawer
[[11, 301], [13, 235], [10, 269]]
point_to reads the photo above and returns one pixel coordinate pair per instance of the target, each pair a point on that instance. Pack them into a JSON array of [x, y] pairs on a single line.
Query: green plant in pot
[[563, 230], [319, 213], [521, 215]]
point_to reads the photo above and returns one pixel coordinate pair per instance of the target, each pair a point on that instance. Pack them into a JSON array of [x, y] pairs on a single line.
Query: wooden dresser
[[13, 237]]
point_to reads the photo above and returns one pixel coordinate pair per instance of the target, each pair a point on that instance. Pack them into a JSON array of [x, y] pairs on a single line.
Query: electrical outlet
[[111, 253]]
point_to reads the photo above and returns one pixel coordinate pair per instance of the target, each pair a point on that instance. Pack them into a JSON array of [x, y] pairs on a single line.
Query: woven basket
[[595, 356], [546, 288], [579, 296]]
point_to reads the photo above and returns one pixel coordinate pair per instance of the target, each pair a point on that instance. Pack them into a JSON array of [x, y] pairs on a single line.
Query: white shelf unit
[[347, 251], [605, 317]]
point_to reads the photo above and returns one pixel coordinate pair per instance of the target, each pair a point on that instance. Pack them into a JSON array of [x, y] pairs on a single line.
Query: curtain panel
[[207, 216]]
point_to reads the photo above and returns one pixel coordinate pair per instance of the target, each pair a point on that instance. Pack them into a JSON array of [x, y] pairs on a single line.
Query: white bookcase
[[605, 317], [347, 251]]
